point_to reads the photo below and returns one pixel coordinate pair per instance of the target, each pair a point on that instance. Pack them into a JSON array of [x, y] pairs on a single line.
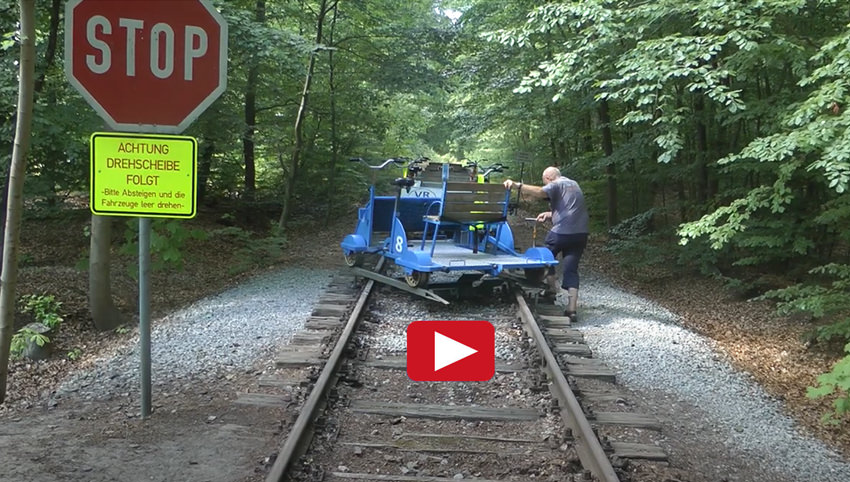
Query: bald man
[[570, 228]]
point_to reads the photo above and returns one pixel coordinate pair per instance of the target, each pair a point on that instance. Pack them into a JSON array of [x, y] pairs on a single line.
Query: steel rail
[[301, 434], [589, 449]]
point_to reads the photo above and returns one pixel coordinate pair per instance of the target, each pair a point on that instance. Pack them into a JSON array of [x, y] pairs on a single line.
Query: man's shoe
[[572, 316]]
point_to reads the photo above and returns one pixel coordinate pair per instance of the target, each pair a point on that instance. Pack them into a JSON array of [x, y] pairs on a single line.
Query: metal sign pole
[[145, 175], [144, 312]]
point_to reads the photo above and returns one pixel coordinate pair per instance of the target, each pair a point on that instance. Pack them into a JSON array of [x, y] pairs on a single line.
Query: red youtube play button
[[451, 351]]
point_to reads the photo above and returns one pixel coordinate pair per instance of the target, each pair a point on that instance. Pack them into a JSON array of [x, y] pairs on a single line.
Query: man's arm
[[528, 190]]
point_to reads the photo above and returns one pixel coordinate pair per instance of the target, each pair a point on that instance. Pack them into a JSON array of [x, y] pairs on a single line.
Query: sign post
[[145, 67]]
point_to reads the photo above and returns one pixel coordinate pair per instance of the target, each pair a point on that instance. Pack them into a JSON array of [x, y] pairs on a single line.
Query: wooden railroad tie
[[626, 419], [299, 356], [400, 363], [330, 310], [554, 321], [417, 410], [263, 399], [577, 349], [638, 451], [564, 335]]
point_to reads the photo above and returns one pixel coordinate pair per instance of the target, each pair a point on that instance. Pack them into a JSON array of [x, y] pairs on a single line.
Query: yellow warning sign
[[143, 175]]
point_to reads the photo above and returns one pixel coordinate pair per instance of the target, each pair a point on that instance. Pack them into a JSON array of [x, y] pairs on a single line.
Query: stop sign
[[149, 66]]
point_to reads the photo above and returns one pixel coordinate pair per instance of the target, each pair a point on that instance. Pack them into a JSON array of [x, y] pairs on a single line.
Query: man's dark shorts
[[571, 246]]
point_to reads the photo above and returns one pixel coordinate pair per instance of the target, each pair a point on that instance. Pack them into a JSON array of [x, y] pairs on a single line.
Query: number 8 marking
[[399, 243]]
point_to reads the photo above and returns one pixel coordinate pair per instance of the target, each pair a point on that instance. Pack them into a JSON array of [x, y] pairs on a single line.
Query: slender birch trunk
[[17, 171]]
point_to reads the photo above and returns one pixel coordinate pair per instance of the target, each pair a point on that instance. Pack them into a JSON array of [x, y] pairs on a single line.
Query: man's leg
[[570, 282], [573, 301], [552, 289], [572, 255]]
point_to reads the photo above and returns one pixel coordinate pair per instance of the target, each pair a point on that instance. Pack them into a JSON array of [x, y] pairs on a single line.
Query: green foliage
[[822, 300], [634, 227], [45, 309], [837, 382], [23, 338], [698, 256], [24, 259], [641, 256], [168, 239], [8, 41], [831, 301], [840, 330], [75, 354], [640, 247], [774, 72], [251, 251]]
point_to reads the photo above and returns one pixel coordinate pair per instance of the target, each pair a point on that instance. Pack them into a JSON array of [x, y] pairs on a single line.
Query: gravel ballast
[[213, 336], [686, 380]]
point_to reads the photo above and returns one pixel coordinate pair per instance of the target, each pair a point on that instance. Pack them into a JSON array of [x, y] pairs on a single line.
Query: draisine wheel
[[353, 259], [535, 275], [417, 279]]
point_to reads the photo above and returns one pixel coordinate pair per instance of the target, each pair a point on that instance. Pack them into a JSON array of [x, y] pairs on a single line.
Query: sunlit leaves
[[818, 127], [725, 222]]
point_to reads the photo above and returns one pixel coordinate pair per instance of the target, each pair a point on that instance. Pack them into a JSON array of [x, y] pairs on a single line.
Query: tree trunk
[[204, 167], [54, 151], [702, 150], [104, 314], [248, 136], [295, 159], [561, 147], [251, 119], [15, 201], [331, 184], [587, 138], [3, 206], [52, 36], [610, 168]]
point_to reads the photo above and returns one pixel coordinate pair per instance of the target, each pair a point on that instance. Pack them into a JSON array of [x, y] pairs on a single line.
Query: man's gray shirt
[[569, 213]]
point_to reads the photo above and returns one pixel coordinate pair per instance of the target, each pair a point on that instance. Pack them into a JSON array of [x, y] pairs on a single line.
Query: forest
[[708, 135]]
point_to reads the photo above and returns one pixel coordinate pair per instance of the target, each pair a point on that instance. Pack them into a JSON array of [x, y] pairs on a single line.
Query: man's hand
[[509, 184], [543, 217]]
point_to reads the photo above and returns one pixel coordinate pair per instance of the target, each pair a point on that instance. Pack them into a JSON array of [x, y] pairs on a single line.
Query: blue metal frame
[[409, 212]]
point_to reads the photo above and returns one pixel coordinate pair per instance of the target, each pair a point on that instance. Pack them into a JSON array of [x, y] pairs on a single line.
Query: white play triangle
[[448, 351]]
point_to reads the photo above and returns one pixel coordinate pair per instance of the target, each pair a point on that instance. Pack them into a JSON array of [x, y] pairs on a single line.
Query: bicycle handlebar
[[497, 167], [393, 160]]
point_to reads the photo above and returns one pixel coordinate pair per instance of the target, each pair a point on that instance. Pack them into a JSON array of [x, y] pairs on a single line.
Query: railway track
[[549, 412]]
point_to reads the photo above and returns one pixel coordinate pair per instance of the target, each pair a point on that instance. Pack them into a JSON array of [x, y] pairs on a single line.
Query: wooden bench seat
[[470, 205], [473, 203]]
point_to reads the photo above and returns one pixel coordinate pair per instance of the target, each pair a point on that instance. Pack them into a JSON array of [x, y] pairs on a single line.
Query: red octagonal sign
[[149, 66]]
